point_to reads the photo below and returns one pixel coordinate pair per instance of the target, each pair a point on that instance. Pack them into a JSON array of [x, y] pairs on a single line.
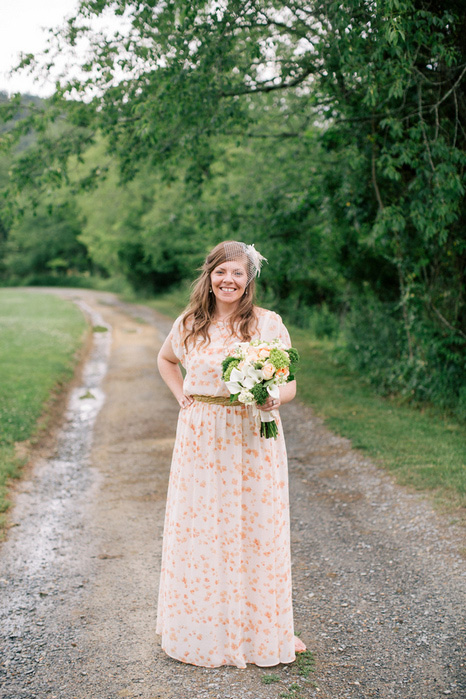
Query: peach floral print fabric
[[225, 586]]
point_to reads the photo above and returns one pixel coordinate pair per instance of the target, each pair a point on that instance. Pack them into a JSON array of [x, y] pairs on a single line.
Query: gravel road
[[379, 579]]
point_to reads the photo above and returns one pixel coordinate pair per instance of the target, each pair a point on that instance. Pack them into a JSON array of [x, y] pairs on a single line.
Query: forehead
[[232, 265]]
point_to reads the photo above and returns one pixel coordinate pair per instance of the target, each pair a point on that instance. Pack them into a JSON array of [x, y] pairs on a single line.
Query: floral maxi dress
[[225, 586]]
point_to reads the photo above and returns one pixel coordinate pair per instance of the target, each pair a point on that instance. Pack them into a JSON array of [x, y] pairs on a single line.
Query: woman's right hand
[[185, 401]]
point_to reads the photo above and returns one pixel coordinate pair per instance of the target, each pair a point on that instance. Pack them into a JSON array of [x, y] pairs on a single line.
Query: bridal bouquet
[[254, 371]]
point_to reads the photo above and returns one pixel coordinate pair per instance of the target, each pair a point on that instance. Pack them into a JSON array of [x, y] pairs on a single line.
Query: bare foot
[[299, 646]]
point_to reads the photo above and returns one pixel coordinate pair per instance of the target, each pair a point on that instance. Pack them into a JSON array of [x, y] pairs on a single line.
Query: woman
[[225, 587]]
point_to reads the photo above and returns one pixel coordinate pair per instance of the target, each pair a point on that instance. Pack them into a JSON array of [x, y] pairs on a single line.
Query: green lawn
[[39, 337], [424, 448]]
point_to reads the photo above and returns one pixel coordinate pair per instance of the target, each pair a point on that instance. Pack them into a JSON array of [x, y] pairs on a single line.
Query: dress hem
[[230, 664]]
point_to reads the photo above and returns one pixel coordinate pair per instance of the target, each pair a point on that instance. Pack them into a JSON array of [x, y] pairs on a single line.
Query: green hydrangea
[[231, 365], [279, 359]]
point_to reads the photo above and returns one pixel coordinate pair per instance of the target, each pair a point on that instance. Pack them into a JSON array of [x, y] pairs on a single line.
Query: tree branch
[[456, 120], [268, 88], [447, 94], [268, 23], [373, 172], [445, 321], [423, 127], [282, 134]]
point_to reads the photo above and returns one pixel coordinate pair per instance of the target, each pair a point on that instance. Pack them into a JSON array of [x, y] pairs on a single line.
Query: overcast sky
[[22, 24]]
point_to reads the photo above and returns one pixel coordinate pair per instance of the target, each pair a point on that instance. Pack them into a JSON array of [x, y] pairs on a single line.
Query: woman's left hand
[[270, 404]]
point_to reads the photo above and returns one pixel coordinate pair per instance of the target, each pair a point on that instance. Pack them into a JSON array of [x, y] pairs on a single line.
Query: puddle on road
[[46, 554], [86, 400]]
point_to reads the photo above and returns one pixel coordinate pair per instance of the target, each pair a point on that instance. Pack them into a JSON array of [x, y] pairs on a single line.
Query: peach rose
[[263, 353], [283, 373], [253, 354], [268, 371]]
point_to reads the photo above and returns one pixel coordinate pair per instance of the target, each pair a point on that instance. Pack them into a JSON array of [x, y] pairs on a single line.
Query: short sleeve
[[273, 328], [283, 333], [176, 339]]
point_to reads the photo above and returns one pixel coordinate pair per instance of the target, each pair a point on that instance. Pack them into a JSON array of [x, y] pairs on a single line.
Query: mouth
[[227, 289]]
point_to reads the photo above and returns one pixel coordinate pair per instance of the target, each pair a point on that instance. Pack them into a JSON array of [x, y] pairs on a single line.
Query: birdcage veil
[[238, 251]]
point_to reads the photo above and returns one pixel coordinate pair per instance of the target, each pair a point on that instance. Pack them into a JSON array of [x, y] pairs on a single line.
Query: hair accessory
[[237, 251]]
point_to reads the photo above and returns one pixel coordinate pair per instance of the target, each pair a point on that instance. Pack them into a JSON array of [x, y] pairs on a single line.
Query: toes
[[299, 646]]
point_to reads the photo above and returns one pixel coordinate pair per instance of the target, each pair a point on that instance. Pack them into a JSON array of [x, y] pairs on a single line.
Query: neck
[[225, 310]]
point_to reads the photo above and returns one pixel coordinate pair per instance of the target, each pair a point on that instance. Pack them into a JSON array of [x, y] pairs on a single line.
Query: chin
[[228, 297]]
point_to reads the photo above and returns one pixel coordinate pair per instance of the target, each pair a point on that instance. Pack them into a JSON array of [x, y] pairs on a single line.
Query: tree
[[44, 244]]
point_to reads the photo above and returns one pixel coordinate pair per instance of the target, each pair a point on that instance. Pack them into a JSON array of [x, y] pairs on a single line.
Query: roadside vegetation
[[39, 338], [424, 447]]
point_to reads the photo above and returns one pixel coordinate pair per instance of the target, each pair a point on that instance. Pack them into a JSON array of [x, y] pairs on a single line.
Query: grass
[[270, 679], [423, 448], [303, 666], [305, 663], [39, 337], [292, 692]]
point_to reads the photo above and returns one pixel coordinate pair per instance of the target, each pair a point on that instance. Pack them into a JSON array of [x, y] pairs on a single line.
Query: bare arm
[[170, 372]]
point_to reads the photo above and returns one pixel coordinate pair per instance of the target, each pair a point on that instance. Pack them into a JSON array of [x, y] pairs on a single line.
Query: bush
[[376, 346]]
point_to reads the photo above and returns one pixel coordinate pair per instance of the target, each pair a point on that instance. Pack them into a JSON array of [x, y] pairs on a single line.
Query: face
[[229, 281]]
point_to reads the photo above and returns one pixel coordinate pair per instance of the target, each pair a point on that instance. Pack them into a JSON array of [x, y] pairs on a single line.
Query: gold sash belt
[[218, 400]]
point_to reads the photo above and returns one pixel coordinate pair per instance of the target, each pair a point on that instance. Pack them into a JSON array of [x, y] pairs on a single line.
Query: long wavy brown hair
[[200, 311]]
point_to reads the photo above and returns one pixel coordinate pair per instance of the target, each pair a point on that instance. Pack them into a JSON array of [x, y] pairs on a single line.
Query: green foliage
[[260, 393], [270, 679], [45, 243], [145, 230], [293, 354], [377, 347], [305, 663], [423, 448], [292, 692], [294, 362]]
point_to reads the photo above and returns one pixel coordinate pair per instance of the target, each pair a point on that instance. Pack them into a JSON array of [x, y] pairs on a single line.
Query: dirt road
[[379, 582]]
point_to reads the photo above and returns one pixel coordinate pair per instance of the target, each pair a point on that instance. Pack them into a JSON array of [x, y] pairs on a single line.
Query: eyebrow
[[236, 269]]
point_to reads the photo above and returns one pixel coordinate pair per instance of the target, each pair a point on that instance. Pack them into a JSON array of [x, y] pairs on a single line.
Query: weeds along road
[[379, 582]]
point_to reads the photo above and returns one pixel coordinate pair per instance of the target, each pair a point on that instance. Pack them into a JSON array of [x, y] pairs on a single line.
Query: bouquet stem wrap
[[266, 422]]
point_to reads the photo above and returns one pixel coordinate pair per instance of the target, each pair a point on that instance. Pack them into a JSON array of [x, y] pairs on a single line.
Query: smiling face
[[229, 281]]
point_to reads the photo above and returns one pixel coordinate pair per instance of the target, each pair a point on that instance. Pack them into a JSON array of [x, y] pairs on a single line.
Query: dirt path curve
[[379, 583]]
